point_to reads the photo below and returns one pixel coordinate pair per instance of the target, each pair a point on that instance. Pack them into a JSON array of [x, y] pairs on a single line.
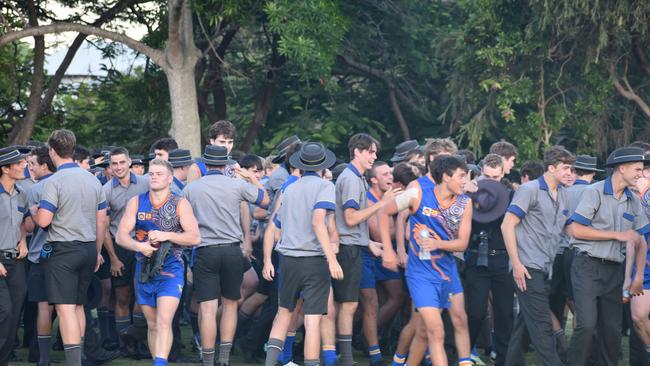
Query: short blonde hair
[[437, 146], [162, 163]]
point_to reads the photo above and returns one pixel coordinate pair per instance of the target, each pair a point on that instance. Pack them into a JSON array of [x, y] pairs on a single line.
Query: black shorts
[[36, 291], [567, 262], [104, 271], [68, 271], [306, 277], [347, 289], [217, 272], [245, 264], [127, 258]]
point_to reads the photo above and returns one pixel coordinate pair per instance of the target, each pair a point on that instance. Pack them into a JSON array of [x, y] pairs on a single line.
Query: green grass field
[[58, 357]]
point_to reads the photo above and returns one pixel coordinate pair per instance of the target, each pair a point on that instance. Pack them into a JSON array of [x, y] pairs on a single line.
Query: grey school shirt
[[13, 209], [299, 201], [215, 199], [351, 192], [74, 196], [574, 194], [600, 209], [118, 196], [274, 184], [39, 235], [542, 223]]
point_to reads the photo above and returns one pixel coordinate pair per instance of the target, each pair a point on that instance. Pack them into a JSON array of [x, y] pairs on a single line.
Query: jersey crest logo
[[143, 216], [428, 211]]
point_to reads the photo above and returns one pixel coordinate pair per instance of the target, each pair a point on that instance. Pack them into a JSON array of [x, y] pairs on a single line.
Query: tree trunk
[[397, 111], [181, 57], [186, 124], [22, 131], [262, 109]]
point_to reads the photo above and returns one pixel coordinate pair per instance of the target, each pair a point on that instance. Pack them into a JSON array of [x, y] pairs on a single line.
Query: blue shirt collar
[[214, 172], [46, 176], [67, 166], [310, 174], [179, 183], [581, 182], [542, 183], [354, 169], [372, 197], [132, 179], [608, 189], [16, 189]]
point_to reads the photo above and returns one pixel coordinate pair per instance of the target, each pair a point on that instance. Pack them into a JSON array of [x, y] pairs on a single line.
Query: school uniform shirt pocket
[[628, 221]]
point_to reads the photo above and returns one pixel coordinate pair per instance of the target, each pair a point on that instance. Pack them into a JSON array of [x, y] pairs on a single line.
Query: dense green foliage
[[534, 72]]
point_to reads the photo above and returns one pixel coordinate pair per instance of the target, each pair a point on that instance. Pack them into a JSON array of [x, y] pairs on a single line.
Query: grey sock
[[315, 362], [224, 352], [121, 323], [139, 320], [112, 330], [72, 354], [344, 342], [273, 350], [102, 319], [208, 356], [44, 349]]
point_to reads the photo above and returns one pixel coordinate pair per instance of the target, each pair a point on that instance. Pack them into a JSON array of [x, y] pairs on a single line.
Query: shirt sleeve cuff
[[47, 206], [644, 230], [517, 211], [576, 217], [102, 206], [260, 197], [326, 205], [277, 223], [351, 204]]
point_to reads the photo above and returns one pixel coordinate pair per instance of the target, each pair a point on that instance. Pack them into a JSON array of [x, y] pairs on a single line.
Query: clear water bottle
[[424, 255], [483, 248]]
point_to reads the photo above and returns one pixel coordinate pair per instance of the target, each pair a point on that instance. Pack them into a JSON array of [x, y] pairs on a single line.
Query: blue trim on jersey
[[102, 206], [326, 205], [354, 169], [351, 204], [68, 166], [608, 189], [132, 179], [517, 211], [581, 182], [644, 231], [542, 183], [576, 217], [214, 172], [179, 184], [202, 168], [277, 222], [260, 197], [372, 197], [47, 206], [289, 181]]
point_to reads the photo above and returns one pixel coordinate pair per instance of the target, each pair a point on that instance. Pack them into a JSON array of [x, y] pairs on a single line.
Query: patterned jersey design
[[161, 218], [442, 223]]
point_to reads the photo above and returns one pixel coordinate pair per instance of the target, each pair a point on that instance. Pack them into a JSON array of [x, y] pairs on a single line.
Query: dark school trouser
[[597, 292], [533, 322], [13, 288], [478, 283]]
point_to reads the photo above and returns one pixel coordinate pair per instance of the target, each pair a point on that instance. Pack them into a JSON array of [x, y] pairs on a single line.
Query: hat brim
[[279, 158], [13, 160], [215, 162], [398, 158], [632, 160], [499, 209], [295, 162], [182, 163], [595, 170]]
